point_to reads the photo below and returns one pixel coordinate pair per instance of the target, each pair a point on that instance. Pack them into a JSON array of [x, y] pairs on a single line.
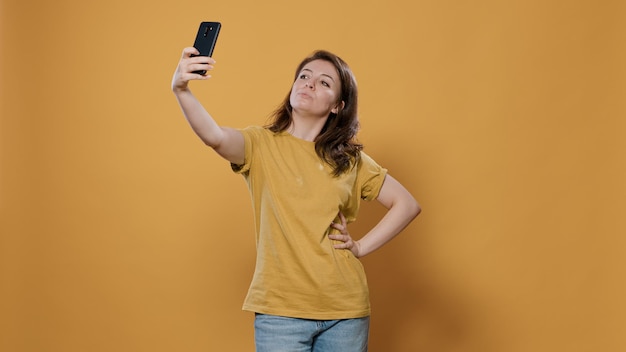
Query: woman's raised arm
[[227, 142]]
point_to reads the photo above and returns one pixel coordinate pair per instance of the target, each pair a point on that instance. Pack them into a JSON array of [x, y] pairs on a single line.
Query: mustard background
[[505, 119]]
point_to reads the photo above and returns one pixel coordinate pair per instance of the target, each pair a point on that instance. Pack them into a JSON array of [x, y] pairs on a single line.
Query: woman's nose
[[308, 84]]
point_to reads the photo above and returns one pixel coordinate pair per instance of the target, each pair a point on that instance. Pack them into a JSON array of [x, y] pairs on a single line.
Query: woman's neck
[[306, 128]]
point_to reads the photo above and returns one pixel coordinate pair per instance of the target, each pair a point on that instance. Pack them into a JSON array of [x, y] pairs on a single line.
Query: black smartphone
[[206, 39]]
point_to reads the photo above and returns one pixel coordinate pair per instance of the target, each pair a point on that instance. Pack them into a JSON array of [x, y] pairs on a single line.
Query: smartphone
[[206, 39]]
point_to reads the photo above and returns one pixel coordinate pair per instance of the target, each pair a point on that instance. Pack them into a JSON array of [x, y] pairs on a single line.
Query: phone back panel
[[207, 37]]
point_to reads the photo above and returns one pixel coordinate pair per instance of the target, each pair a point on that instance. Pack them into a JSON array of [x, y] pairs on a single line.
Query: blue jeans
[[281, 334]]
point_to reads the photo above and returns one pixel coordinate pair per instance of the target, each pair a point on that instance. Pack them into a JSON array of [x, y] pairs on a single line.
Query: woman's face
[[316, 90]]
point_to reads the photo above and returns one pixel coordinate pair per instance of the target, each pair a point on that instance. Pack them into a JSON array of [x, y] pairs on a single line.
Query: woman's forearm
[[199, 119], [402, 209], [395, 220], [227, 142]]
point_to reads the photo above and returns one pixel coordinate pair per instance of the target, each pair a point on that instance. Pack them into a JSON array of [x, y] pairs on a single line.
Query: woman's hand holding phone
[[196, 61], [189, 66]]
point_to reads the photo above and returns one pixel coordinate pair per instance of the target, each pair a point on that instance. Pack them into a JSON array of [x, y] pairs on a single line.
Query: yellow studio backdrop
[[505, 119]]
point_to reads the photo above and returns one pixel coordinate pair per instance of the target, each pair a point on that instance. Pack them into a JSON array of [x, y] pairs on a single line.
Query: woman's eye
[[324, 83], [303, 76]]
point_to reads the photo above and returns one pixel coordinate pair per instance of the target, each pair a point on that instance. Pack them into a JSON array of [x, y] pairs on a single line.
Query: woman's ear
[[339, 106]]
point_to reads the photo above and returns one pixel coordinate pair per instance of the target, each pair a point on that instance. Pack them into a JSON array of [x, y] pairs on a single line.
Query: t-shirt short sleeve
[[370, 176], [248, 136]]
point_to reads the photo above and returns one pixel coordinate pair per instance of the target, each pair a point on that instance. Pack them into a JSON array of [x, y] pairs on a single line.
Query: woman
[[306, 174]]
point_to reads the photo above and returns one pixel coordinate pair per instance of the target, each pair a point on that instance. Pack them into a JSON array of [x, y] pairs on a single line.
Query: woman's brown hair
[[336, 144]]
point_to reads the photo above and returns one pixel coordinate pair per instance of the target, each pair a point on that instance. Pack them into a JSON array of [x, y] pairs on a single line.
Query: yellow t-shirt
[[295, 198]]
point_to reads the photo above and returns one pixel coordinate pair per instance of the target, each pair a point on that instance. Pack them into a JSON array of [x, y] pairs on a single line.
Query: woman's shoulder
[[254, 129], [367, 160], [364, 156], [257, 131], [262, 135]]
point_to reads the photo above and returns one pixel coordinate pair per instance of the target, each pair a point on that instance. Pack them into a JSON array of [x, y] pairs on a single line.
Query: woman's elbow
[[414, 208]]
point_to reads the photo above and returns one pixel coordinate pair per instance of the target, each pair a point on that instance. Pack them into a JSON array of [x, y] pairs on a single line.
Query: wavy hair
[[336, 143]]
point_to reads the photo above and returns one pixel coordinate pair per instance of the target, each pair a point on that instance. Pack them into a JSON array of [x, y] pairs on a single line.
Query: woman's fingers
[[343, 226], [189, 51], [191, 67], [344, 222], [343, 236], [340, 227], [190, 62]]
